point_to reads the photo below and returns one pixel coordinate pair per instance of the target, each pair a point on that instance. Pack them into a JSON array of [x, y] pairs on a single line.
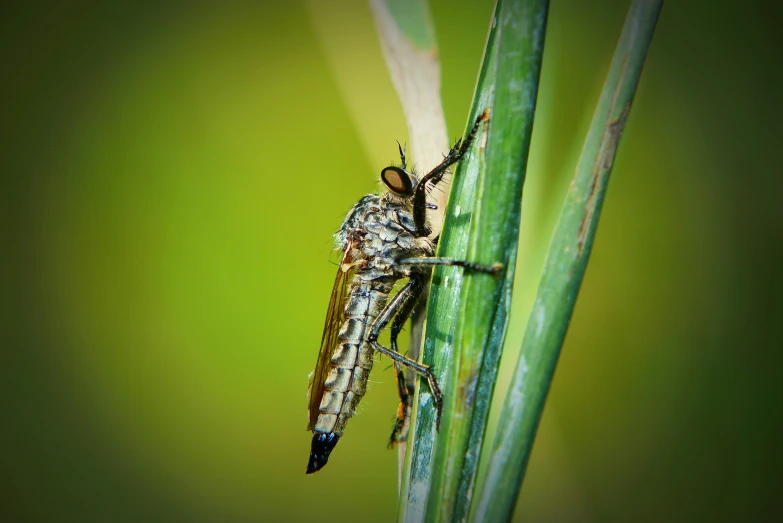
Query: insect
[[384, 238]]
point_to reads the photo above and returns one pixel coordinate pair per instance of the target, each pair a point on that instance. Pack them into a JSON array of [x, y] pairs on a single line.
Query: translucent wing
[[335, 317]]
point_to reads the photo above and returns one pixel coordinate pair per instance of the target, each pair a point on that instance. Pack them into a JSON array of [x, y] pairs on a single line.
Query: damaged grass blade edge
[[563, 271]]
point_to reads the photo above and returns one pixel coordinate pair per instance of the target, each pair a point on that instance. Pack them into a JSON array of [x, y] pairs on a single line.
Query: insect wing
[[335, 317]]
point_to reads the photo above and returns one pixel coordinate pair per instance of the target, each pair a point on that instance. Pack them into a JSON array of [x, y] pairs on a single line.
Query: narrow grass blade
[[563, 271], [444, 300], [467, 313], [484, 301], [408, 41]]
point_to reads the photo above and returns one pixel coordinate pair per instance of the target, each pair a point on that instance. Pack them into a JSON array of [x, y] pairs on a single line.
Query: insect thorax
[[381, 228]]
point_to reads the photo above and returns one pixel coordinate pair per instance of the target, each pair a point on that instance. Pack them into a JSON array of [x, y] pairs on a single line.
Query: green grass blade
[[467, 313], [408, 41], [444, 301], [484, 301], [563, 271], [414, 20]]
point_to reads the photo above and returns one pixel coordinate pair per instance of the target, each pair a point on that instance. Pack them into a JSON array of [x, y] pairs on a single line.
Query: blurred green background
[[171, 176]]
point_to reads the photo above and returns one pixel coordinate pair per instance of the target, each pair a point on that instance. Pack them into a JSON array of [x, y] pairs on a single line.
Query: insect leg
[[392, 309], [493, 269], [404, 388], [421, 369], [402, 423], [435, 175]]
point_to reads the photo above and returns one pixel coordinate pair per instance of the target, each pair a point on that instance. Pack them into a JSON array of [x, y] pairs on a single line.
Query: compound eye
[[397, 180]]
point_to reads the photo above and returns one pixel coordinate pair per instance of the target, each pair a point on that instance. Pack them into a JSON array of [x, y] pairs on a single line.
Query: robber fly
[[384, 238]]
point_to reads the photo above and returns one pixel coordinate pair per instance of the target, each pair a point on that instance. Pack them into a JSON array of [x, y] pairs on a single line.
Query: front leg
[[435, 175]]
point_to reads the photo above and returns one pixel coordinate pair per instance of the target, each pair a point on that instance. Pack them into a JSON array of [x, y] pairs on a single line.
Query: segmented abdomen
[[352, 359]]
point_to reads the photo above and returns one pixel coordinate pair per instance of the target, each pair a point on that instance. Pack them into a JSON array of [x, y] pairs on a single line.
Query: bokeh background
[[172, 173]]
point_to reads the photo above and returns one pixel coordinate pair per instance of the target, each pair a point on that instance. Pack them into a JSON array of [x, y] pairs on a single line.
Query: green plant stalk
[[444, 301], [414, 20], [483, 309], [408, 42], [563, 271], [467, 314]]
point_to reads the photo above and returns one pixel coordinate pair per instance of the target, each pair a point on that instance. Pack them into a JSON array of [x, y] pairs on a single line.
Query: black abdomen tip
[[320, 449]]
